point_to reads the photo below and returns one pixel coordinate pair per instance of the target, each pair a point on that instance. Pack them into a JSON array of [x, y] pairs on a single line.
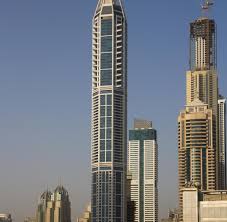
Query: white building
[[143, 165], [222, 141], [204, 206]]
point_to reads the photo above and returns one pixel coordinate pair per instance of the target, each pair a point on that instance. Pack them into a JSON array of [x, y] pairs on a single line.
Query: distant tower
[[109, 112], [54, 207], [143, 166], [44, 207], [222, 141], [86, 215]]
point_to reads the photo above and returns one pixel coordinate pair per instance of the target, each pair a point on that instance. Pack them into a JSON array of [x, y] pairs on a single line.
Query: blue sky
[[45, 87]]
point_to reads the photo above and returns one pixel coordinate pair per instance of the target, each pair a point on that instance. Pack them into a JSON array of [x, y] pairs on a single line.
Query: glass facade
[[106, 52], [109, 113], [106, 128]]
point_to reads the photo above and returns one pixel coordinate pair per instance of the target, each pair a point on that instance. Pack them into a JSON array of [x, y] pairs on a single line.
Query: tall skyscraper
[[109, 112], [54, 207], [143, 166], [222, 141], [198, 125]]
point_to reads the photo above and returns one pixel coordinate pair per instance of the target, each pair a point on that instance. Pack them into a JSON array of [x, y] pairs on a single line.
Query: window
[[108, 156], [106, 78], [108, 133], [109, 110], [109, 99], [102, 133], [102, 144], [102, 122], [102, 156], [103, 111], [106, 60], [109, 122], [106, 44], [108, 145], [106, 27], [102, 100]]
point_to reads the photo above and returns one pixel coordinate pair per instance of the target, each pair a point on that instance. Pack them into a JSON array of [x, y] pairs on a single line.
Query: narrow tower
[[222, 141], [109, 112], [143, 166]]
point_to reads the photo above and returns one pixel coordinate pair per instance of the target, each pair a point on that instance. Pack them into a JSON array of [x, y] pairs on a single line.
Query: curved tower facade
[[109, 112]]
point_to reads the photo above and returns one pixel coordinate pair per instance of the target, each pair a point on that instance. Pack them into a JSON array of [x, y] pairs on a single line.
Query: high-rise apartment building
[[109, 112], [54, 207], [143, 166], [199, 152], [222, 141], [196, 153]]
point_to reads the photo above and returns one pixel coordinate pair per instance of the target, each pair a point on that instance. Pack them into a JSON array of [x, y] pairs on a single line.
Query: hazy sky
[[45, 87]]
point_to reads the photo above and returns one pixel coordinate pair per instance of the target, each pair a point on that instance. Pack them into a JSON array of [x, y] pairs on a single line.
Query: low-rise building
[[199, 206], [30, 219], [5, 218]]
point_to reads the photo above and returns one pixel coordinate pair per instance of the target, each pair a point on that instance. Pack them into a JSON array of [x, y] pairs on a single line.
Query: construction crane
[[206, 7], [207, 4]]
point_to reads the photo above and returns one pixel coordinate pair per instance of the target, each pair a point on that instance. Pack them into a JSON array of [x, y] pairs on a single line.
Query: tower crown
[[109, 6], [110, 2]]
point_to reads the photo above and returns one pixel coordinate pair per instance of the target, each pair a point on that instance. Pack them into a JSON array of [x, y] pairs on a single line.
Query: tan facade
[[196, 147], [86, 215], [54, 207], [203, 85], [199, 147]]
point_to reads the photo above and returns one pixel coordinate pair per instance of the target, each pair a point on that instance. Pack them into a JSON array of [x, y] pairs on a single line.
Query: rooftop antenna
[[206, 6]]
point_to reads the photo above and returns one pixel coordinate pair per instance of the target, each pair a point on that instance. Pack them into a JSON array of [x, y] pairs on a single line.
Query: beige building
[[204, 206], [199, 150], [196, 151], [30, 219], [86, 215], [173, 216], [54, 207]]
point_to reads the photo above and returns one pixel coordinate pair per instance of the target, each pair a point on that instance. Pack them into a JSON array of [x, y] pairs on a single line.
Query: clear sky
[[45, 91]]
